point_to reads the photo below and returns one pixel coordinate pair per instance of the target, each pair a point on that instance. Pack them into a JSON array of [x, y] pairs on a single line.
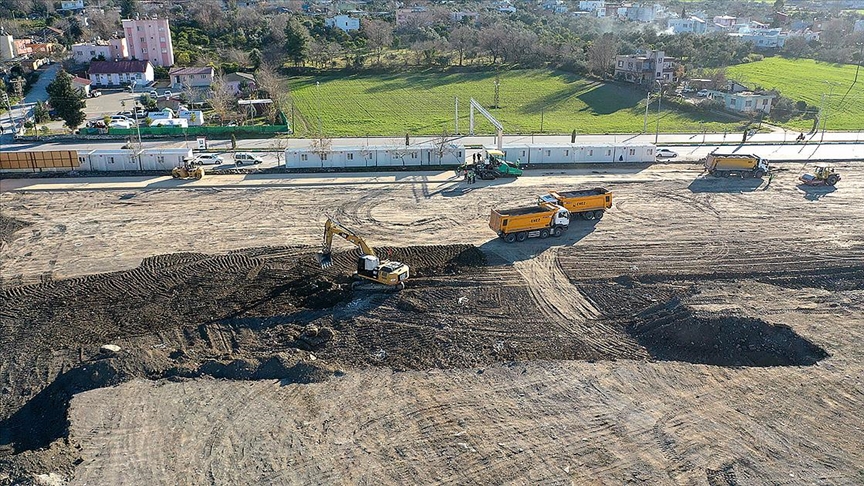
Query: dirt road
[[705, 331]]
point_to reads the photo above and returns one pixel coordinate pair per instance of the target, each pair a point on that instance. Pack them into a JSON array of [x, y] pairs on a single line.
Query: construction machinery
[[741, 165], [822, 175], [370, 269], [589, 204], [539, 221], [491, 167], [187, 171]]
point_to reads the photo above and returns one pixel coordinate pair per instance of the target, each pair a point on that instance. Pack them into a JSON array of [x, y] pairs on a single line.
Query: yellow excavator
[[370, 268]]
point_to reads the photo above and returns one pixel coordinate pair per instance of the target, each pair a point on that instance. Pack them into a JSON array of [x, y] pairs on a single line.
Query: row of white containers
[[420, 155], [118, 160]]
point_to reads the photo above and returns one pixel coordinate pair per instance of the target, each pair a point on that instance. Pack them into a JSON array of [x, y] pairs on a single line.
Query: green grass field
[[423, 104], [808, 80]]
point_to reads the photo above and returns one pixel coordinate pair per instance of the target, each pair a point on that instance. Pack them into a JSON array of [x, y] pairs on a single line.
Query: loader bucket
[[325, 259]]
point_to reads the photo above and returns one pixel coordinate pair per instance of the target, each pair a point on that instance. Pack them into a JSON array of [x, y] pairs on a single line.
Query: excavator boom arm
[[332, 228]]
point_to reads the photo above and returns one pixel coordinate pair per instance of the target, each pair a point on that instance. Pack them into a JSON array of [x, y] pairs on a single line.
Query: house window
[[350, 156], [650, 151], [303, 156], [620, 63], [110, 160], [161, 39], [608, 153], [413, 155], [523, 153], [164, 50], [160, 159], [566, 153], [138, 28], [748, 103], [323, 156], [548, 153], [765, 102], [632, 151], [142, 39], [590, 153]]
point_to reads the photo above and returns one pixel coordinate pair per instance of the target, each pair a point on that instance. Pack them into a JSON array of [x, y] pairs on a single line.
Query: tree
[[255, 58], [379, 36], [271, 83], [220, 98], [601, 55], [40, 112], [296, 41], [129, 8], [462, 39], [778, 5], [68, 101]]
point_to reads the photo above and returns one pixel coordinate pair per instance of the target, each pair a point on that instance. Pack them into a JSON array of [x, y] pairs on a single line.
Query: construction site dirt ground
[[704, 331]]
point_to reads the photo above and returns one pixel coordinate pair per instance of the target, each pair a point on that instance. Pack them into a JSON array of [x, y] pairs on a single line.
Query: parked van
[[241, 158]]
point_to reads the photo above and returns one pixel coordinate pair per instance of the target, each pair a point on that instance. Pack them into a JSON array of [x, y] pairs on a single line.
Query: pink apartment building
[[149, 40]]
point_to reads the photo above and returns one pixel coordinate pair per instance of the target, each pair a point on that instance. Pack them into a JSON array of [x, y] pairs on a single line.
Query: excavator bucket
[[325, 259]]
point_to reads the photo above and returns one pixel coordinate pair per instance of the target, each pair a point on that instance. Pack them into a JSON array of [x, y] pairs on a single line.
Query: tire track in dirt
[[565, 307]]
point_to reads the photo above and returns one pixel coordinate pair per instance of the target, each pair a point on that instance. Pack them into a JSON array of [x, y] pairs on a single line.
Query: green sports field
[[808, 80], [424, 104]]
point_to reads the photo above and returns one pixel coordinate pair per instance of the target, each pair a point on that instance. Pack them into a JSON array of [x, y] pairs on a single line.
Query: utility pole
[[659, 97], [824, 115]]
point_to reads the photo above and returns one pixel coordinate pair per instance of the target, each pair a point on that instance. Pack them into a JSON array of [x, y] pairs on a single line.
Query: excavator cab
[[391, 274]]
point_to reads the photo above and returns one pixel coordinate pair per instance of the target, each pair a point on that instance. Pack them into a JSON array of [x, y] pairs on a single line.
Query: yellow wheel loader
[[370, 269]]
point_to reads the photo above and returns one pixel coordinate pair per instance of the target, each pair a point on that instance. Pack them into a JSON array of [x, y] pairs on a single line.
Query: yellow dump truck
[[738, 165], [520, 224], [590, 204]]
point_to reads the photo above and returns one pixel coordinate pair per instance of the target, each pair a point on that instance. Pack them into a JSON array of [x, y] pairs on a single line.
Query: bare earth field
[[705, 331]]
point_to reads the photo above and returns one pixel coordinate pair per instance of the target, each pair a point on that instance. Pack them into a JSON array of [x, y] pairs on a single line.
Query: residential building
[[641, 13], [460, 16], [7, 47], [645, 68], [592, 5], [403, 15], [85, 52], [724, 22], [236, 82], [745, 101], [82, 84], [149, 40], [191, 77], [343, 22], [762, 38], [119, 48], [693, 25], [22, 47], [120, 73], [46, 48], [71, 5]]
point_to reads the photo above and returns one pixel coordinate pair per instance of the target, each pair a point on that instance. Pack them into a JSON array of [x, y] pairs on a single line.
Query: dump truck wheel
[[759, 174], [544, 233], [598, 214], [832, 179], [510, 238], [557, 232], [521, 236], [588, 215]]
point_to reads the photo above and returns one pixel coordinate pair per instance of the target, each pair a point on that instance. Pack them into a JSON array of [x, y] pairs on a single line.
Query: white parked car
[[121, 124], [702, 93], [241, 158], [208, 159], [666, 154]]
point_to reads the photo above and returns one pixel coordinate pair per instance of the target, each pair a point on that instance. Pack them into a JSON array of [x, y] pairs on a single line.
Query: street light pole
[[659, 97]]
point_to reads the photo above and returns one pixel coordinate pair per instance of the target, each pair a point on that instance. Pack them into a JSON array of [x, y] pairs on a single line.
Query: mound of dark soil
[[8, 226], [673, 332]]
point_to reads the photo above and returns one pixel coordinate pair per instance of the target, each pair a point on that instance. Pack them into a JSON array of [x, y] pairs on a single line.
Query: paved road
[[22, 111]]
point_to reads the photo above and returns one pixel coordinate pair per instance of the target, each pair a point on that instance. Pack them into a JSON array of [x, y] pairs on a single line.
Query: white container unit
[[164, 159], [517, 152], [107, 160], [551, 154], [594, 154]]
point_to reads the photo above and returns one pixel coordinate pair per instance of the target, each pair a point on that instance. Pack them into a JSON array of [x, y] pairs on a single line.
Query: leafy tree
[[68, 101], [41, 112], [128, 8], [296, 41], [255, 58]]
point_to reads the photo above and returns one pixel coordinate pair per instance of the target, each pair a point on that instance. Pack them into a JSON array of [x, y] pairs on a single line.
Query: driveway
[[38, 91]]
